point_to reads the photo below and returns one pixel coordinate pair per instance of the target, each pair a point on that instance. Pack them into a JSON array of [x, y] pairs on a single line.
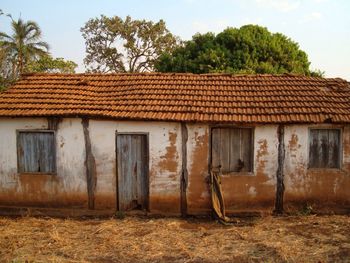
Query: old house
[[148, 141]]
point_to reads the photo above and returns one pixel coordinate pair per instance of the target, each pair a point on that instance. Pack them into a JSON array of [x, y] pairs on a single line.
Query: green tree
[[117, 45], [51, 65], [200, 55], [5, 70], [24, 45], [249, 49]]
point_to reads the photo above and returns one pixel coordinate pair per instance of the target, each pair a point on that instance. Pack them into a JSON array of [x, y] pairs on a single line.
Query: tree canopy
[[24, 51], [117, 45], [24, 45], [5, 70], [249, 49], [51, 65]]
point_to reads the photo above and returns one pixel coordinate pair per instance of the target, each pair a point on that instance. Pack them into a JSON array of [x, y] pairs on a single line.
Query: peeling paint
[[252, 191], [293, 144], [164, 148], [260, 157], [169, 161], [198, 197], [237, 189], [65, 189], [242, 191], [323, 188], [346, 149]]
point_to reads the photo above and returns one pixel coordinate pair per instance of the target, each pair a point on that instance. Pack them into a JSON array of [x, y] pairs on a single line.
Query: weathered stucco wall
[[198, 191], [66, 189], [251, 192], [164, 162], [318, 188], [242, 191]]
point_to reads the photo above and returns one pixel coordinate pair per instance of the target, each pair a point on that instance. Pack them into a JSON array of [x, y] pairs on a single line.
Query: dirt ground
[[142, 239]]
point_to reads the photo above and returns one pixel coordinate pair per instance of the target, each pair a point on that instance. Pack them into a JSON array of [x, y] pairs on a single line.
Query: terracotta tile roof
[[180, 97]]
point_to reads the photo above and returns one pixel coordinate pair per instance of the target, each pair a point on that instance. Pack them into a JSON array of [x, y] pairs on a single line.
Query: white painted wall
[[70, 150], [302, 182], [265, 148], [103, 140], [165, 163], [266, 159], [198, 195], [70, 180], [68, 186], [242, 191], [8, 147], [296, 157]]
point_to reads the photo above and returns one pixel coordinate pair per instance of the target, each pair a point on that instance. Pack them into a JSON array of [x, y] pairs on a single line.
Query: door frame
[[146, 134]]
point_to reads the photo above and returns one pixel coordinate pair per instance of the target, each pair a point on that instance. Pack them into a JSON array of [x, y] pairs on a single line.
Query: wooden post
[[90, 165], [52, 123], [184, 173], [280, 173]]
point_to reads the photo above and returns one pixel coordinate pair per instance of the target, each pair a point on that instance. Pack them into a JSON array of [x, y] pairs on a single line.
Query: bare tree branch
[[117, 45]]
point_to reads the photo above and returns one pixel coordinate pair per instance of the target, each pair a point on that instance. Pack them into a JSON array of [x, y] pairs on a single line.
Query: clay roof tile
[[180, 97]]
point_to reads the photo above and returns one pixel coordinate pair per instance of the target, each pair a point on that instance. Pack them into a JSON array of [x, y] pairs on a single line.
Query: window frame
[[225, 126], [18, 131], [340, 167]]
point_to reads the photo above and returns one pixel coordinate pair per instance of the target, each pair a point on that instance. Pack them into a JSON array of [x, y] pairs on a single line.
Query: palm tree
[[24, 45]]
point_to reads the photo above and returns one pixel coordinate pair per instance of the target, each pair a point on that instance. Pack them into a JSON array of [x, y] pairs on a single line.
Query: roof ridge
[[177, 74], [82, 74]]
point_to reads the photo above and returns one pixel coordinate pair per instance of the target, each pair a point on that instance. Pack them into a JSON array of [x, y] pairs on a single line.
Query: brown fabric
[[217, 198], [181, 97]]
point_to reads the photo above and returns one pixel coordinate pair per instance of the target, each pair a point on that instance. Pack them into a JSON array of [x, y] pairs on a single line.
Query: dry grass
[[135, 239]]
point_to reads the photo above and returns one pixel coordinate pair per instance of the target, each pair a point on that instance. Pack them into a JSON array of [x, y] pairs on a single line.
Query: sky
[[320, 27]]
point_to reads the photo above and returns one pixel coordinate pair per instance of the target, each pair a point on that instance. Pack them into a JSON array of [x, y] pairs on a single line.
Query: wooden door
[[132, 162]]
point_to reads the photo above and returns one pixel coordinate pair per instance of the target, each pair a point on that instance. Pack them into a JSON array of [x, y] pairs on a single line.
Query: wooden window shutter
[[232, 149], [36, 152], [324, 148]]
